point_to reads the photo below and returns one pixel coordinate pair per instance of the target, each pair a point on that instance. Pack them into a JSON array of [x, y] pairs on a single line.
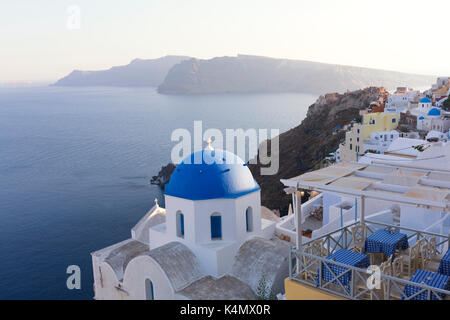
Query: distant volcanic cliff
[[138, 73], [241, 74], [252, 74]]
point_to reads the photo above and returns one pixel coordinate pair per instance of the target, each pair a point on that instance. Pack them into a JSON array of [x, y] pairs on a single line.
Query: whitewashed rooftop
[[403, 184]]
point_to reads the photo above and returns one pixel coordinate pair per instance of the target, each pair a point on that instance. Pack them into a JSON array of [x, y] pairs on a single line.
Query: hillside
[[305, 146], [138, 73], [252, 74]]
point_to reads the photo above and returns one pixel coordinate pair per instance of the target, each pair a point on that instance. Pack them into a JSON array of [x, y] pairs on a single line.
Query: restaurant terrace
[[365, 258]]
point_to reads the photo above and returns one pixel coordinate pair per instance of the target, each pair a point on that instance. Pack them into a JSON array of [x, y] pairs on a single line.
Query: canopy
[[402, 184]]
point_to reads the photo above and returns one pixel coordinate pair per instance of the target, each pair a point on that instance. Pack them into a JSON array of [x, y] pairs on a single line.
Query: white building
[[380, 141], [423, 177], [425, 106], [436, 135], [433, 120], [399, 101], [441, 82], [210, 242]]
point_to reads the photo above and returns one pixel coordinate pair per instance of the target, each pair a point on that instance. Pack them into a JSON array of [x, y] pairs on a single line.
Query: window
[[351, 147], [149, 293], [249, 219], [216, 226], [394, 120], [180, 224]]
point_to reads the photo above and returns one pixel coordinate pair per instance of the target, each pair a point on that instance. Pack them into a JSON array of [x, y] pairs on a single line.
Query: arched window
[[216, 226], [249, 219], [180, 224], [149, 293]]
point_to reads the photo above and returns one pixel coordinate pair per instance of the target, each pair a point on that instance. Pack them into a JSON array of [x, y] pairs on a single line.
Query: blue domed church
[[429, 117], [209, 242]]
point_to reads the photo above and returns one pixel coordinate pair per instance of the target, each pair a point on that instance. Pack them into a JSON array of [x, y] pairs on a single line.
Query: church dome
[[211, 174], [421, 118], [434, 112], [425, 100]]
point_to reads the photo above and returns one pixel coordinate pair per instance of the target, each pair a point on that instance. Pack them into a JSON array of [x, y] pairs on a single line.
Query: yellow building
[[352, 148], [298, 291]]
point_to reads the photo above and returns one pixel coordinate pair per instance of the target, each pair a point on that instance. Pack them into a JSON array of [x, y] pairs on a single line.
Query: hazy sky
[[36, 45]]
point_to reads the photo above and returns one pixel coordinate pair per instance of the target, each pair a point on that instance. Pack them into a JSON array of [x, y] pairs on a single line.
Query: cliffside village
[[391, 126], [382, 200]]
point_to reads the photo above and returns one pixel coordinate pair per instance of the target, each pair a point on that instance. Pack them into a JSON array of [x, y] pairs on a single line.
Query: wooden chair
[[388, 262], [359, 238], [384, 269], [424, 256], [409, 258], [434, 255], [434, 258], [422, 253], [397, 267], [394, 293], [315, 248], [361, 285], [433, 247]]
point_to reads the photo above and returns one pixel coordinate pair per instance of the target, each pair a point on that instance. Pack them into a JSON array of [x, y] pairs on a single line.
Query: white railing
[[307, 268], [287, 225]]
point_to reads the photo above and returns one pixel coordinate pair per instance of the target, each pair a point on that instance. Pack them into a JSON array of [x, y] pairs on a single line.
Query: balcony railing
[[308, 268]]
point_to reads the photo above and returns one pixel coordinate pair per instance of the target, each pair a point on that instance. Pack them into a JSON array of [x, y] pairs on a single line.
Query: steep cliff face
[[163, 176], [138, 73], [305, 146], [243, 74]]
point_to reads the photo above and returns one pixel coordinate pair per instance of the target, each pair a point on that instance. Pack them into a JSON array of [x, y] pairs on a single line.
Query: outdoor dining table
[[383, 241], [340, 274], [444, 265], [432, 279]]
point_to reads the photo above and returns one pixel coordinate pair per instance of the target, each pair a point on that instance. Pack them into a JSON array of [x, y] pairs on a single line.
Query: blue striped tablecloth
[[444, 266], [432, 279], [385, 242], [351, 258]]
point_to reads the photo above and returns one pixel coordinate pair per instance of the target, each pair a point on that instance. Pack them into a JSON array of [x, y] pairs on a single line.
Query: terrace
[[371, 257], [309, 265]]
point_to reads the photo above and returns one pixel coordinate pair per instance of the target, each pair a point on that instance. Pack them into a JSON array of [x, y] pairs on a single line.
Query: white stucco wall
[[328, 200], [417, 218], [105, 282], [145, 267], [215, 256]]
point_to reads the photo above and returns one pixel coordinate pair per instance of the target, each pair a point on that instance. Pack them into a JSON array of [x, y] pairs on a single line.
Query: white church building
[[213, 240]]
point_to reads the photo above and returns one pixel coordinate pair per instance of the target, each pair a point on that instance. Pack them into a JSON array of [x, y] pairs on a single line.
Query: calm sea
[[75, 165]]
